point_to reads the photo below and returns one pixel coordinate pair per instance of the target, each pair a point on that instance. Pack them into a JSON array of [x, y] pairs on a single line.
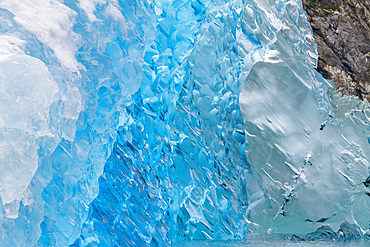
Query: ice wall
[[127, 123], [177, 166], [65, 66], [308, 146]]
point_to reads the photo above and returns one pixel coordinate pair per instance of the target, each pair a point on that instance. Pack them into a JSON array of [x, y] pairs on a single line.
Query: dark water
[[271, 240]]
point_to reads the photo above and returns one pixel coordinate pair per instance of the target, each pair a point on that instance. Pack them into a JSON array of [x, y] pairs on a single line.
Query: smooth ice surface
[[307, 146], [151, 122]]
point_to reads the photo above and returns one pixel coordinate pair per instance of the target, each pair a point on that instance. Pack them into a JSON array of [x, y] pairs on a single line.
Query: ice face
[[148, 122], [26, 92], [177, 165], [306, 144], [80, 62], [26, 87]]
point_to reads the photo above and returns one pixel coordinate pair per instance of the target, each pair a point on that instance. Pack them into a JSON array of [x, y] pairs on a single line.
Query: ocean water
[[268, 240]]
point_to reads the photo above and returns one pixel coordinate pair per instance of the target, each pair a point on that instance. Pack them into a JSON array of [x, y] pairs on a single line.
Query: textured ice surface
[[26, 87], [176, 170], [61, 80], [120, 124], [307, 146], [51, 22]]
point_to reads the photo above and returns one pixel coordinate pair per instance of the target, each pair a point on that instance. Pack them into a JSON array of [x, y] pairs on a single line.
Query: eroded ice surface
[[26, 92], [307, 146], [148, 122], [61, 80]]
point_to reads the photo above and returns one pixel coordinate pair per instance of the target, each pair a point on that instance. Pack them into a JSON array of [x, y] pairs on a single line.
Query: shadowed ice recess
[[152, 122]]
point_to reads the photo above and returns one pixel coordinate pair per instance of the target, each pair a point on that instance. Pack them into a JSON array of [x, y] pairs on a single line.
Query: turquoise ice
[[150, 122]]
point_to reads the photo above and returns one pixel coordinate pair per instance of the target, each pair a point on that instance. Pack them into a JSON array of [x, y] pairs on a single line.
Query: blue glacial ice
[[148, 122]]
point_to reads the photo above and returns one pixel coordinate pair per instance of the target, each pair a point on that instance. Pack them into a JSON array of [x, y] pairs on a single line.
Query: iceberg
[[142, 122]]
